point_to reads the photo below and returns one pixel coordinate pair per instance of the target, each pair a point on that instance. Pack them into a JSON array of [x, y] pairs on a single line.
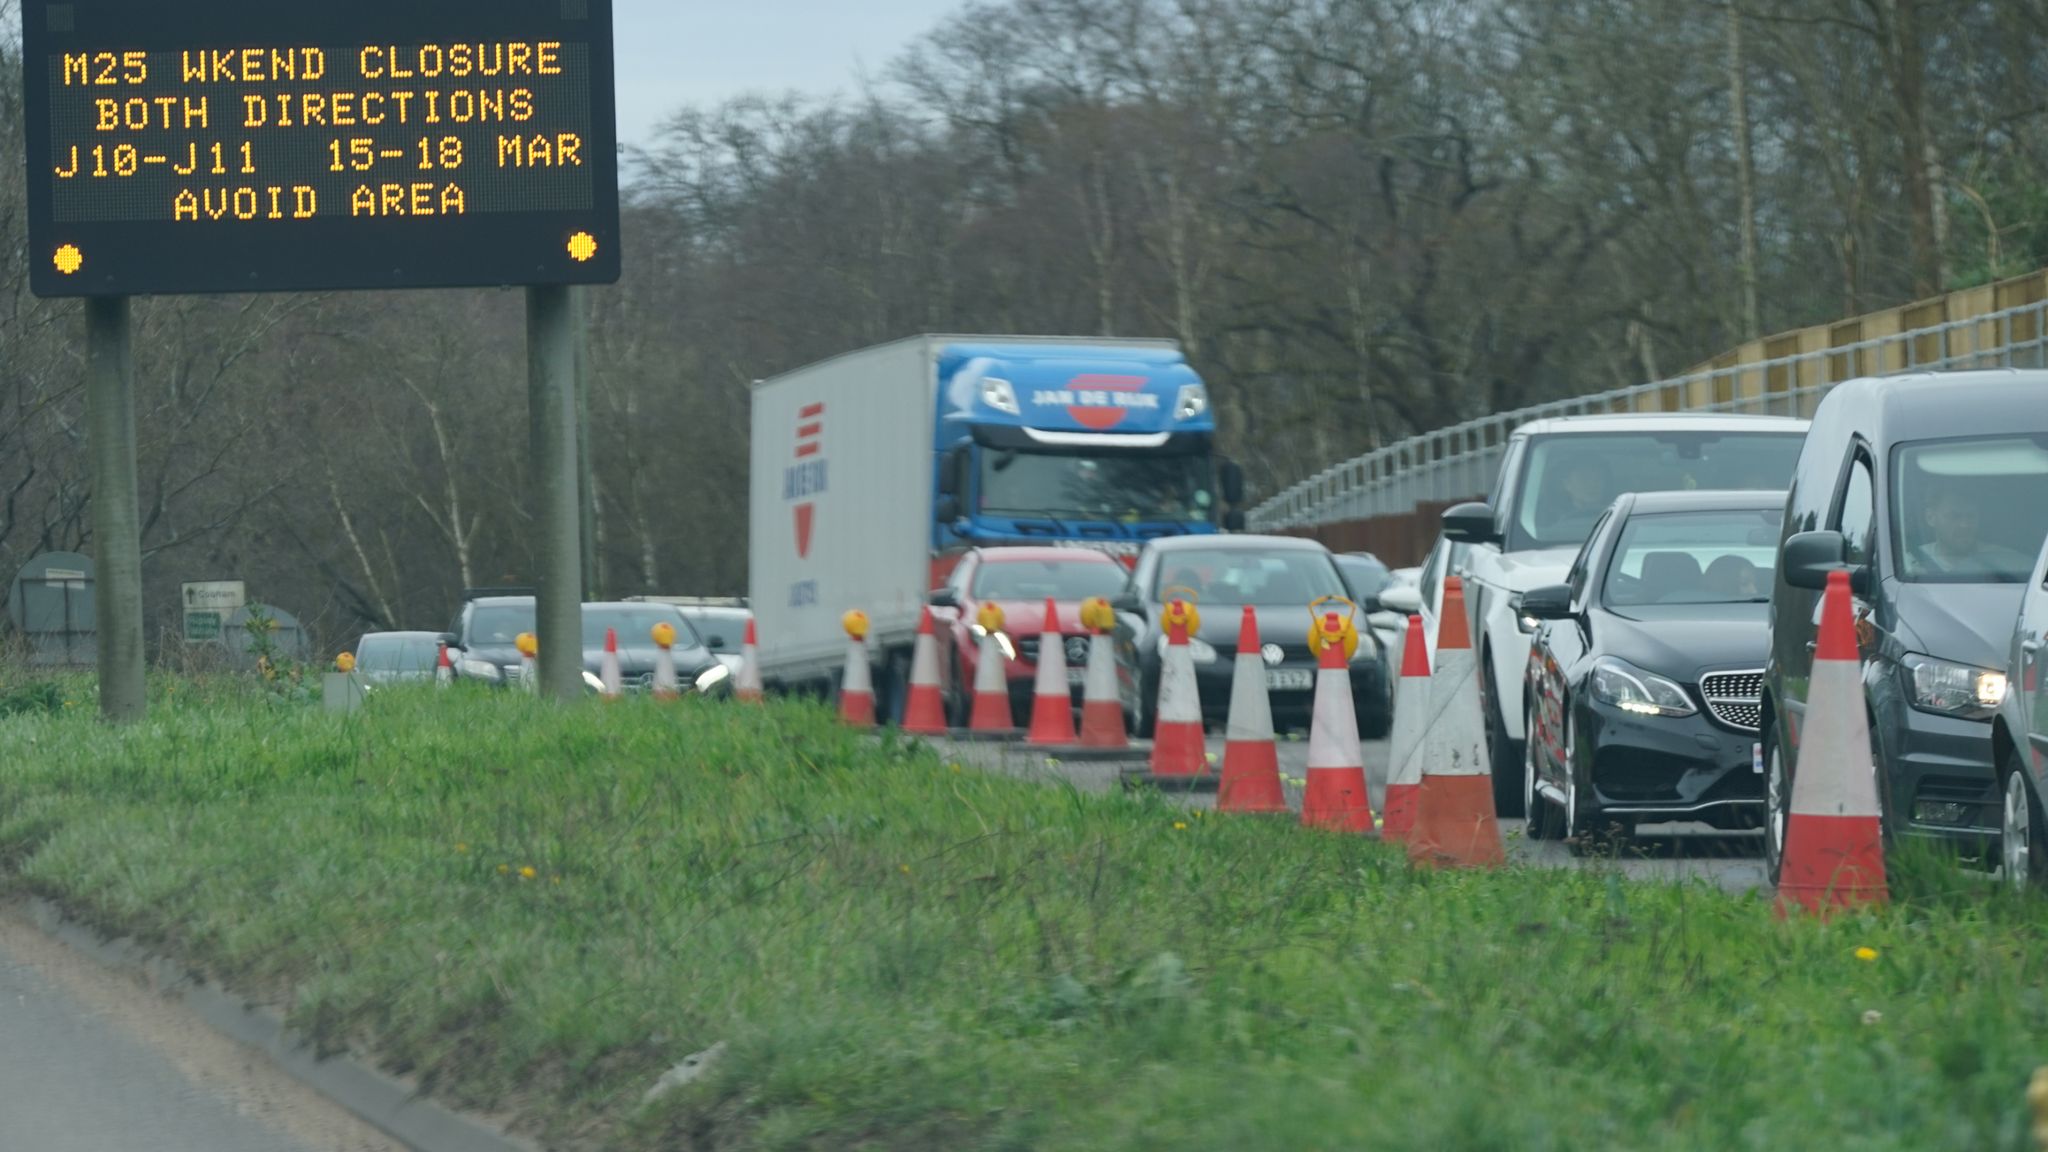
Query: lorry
[[873, 472]]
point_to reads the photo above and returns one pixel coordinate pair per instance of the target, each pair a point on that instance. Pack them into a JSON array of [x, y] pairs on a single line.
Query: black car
[[484, 642], [1645, 670], [1931, 490], [1279, 576]]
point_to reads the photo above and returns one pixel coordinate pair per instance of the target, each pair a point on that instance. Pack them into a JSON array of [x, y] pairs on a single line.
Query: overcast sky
[[677, 52]]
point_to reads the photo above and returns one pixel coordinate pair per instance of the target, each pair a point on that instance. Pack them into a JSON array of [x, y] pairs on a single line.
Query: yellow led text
[[252, 65], [432, 61], [295, 203], [105, 69], [564, 150], [374, 109], [408, 200], [139, 115]]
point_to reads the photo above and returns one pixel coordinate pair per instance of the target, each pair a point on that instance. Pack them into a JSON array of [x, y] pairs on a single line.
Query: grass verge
[[538, 910]]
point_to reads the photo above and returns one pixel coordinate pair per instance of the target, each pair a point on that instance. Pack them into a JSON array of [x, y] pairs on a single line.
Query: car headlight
[[1199, 650], [1631, 689], [1953, 689], [1523, 620], [711, 678], [482, 670], [999, 395], [1192, 402], [1002, 640], [591, 681]]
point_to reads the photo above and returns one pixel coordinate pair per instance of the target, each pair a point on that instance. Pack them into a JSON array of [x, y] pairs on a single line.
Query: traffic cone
[[991, 717], [529, 669], [857, 689], [1251, 761], [1336, 796], [444, 671], [664, 637], [1404, 762], [1052, 707], [1834, 844], [1179, 751], [748, 685], [1454, 821], [1102, 709], [608, 667], [924, 710]]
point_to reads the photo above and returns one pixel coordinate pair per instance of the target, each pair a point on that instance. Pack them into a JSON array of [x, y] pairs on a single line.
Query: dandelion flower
[[504, 868], [1873, 1016], [462, 848], [527, 873], [906, 869], [1866, 953], [1180, 826]]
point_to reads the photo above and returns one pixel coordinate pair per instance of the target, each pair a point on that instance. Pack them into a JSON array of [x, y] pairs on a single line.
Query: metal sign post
[[551, 390], [116, 525]]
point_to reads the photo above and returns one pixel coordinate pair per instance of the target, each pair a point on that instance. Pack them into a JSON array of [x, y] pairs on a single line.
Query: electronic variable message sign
[[183, 146]]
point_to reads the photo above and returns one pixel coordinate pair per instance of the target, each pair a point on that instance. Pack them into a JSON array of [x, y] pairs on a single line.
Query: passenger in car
[[1733, 579]]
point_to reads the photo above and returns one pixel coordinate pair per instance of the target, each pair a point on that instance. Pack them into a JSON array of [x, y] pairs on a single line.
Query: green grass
[[905, 956]]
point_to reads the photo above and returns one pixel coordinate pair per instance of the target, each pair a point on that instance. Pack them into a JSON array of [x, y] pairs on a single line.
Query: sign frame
[[333, 249]]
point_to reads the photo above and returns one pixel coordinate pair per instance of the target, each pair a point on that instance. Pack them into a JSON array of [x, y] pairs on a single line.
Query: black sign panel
[[185, 146]]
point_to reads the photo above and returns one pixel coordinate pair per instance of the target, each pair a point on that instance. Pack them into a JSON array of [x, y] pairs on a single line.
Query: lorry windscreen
[[1107, 487], [1569, 479]]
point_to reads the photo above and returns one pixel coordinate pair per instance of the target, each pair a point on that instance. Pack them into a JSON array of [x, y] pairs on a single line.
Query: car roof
[[502, 601], [1236, 542], [1660, 422], [1028, 553], [1706, 500], [402, 634], [1935, 405]]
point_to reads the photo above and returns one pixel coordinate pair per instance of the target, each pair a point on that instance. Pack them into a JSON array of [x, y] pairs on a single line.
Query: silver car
[[397, 657]]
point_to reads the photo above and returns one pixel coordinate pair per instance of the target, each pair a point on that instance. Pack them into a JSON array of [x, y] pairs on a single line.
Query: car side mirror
[[1470, 524], [1370, 605], [1405, 599], [1128, 602], [1810, 556], [1550, 602], [943, 598], [451, 640], [1232, 477], [1233, 521], [946, 510], [714, 642]]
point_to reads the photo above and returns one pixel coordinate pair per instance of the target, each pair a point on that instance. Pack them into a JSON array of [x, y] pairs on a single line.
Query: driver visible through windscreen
[[1970, 511], [1125, 488], [1570, 479]]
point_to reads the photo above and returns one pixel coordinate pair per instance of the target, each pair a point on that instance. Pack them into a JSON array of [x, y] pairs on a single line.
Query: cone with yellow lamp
[[1834, 844], [856, 689], [611, 684], [444, 669], [1454, 819], [990, 718], [1180, 751], [664, 637], [529, 652], [1102, 736], [924, 709], [1335, 796]]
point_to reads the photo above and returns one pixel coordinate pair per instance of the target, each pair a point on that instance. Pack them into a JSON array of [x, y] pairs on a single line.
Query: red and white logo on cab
[[804, 481], [1098, 402]]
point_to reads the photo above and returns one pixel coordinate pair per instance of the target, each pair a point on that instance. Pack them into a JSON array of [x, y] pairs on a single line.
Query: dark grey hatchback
[[1931, 490]]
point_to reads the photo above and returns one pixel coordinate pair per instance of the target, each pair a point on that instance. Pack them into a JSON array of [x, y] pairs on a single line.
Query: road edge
[[382, 1101]]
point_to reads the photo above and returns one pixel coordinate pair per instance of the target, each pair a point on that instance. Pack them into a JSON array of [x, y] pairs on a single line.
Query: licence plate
[[1289, 680]]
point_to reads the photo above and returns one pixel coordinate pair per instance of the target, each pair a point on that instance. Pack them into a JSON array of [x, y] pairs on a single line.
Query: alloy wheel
[[2017, 831]]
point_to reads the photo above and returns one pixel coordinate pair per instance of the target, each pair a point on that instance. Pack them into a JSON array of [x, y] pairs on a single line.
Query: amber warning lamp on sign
[[204, 146]]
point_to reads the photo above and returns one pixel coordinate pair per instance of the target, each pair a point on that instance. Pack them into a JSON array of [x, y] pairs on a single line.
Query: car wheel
[[959, 698], [1507, 799], [1777, 807], [1546, 820], [1148, 697], [2022, 849]]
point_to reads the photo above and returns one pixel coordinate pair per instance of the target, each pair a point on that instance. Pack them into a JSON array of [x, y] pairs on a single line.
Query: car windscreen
[[397, 653], [499, 625], [1569, 479], [1235, 577], [1970, 511], [1723, 557], [1366, 577], [1131, 488], [1038, 579], [635, 626], [722, 632]]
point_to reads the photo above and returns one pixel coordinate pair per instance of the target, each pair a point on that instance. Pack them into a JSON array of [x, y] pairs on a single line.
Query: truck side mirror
[[946, 510], [943, 598], [1232, 477]]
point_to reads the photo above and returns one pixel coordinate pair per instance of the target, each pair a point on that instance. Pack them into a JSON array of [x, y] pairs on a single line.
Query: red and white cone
[[1404, 762], [991, 715], [665, 685], [1454, 820], [747, 686], [1179, 752], [857, 689], [1834, 842], [1251, 761], [924, 710], [608, 667], [1336, 796], [1102, 709], [1052, 706], [444, 670]]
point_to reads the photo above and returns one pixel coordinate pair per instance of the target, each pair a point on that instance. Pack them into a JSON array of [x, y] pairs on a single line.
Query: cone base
[[1455, 825], [1399, 818], [1251, 779], [1052, 720], [992, 714], [1337, 799], [1102, 725], [1179, 748], [749, 696], [1084, 754], [1832, 862], [924, 713], [984, 735], [857, 710]]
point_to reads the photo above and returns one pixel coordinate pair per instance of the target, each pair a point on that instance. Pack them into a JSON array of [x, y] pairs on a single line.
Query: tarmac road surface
[[1657, 852], [92, 1062]]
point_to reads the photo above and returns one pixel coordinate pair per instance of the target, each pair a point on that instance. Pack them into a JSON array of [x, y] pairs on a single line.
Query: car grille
[[1076, 648], [1735, 698]]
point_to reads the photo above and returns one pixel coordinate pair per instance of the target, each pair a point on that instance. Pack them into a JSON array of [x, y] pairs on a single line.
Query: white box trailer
[[844, 461]]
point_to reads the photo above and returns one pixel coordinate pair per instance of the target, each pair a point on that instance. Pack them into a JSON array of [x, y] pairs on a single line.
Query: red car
[[1018, 580]]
